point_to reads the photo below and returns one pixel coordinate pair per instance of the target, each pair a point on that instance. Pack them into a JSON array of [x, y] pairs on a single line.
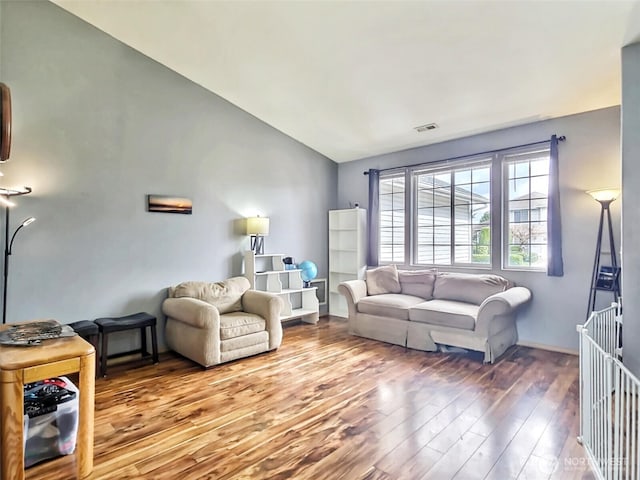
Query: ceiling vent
[[424, 128]]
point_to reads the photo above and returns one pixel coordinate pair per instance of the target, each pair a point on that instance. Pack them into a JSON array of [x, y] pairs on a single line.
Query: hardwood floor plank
[[450, 423], [572, 461], [328, 405], [480, 462], [322, 436], [375, 474], [454, 457], [517, 453], [547, 455]]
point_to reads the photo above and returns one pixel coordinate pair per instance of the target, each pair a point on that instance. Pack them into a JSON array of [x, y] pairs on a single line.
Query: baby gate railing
[[608, 398]]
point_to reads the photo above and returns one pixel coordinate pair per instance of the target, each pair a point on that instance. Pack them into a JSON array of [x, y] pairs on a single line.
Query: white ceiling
[[351, 79]]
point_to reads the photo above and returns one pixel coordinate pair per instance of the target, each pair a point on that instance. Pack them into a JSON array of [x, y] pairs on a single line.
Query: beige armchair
[[213, 323]]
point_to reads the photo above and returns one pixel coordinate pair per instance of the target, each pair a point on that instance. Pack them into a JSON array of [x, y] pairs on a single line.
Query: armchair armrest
[[193, 312], [353, 291], [500, 304], [269, 307], [265, 304]]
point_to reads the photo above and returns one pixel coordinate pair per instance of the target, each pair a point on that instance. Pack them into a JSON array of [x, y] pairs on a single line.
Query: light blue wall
[[589, 159], [631, 203], [97, 126]]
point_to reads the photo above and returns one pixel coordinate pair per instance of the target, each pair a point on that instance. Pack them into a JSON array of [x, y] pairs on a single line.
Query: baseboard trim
[[551, 348]]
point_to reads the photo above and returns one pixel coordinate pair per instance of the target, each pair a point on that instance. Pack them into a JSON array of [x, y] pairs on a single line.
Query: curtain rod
[[561, 138]]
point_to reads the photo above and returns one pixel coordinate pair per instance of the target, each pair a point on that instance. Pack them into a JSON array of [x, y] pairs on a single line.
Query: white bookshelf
[[267, 272], [347, 253]]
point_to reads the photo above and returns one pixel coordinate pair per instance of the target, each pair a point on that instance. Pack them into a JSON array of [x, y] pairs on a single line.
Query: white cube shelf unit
[[267, 272], [347, 253]]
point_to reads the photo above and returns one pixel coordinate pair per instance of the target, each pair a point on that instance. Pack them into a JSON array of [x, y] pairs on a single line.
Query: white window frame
[[506, 159], [450, 168], [407, 188], [499, 208]]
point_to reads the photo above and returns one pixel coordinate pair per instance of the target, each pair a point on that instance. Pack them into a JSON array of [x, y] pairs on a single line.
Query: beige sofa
[[420, 309], [212, 323]]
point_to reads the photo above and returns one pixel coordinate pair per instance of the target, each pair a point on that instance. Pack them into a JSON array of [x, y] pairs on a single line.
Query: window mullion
[[452, 239], [497, 210], [410, 227]]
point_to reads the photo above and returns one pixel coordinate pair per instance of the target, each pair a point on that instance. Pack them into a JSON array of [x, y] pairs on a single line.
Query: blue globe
[[309, 270]]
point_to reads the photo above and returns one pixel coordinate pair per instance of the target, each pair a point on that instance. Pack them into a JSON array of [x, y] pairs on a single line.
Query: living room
[[98, 126]]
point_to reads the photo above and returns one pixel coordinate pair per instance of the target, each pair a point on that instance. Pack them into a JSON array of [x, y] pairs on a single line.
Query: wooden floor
[[328, 405]]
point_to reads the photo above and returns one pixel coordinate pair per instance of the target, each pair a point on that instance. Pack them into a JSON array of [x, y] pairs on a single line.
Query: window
[[392, 219], [451, 214], [525, 194]]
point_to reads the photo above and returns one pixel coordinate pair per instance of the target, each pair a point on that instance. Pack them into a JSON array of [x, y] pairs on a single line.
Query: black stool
[[140, 320], [90, 332]]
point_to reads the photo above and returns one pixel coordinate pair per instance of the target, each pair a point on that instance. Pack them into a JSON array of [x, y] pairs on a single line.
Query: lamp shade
[[257, 226], [604, 194]]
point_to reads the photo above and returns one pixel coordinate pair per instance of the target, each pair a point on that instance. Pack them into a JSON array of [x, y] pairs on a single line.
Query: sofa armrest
[[353, 291], [269, 307], [500, 304], [193, 312]]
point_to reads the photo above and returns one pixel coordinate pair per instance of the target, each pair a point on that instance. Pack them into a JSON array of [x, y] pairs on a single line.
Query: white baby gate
[[608, 398]]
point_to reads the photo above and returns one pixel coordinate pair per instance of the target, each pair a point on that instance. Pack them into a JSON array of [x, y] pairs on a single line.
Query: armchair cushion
[[226, 296], [237, 324]]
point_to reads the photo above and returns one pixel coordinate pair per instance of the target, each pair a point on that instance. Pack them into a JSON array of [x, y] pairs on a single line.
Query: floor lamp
[[5, 194], [604, 278]]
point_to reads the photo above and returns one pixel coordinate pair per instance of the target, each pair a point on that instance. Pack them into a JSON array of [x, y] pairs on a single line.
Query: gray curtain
[[555, 266], [373, 220]]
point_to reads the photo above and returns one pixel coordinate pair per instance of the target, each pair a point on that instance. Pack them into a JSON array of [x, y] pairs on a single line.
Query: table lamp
[[257, 228]]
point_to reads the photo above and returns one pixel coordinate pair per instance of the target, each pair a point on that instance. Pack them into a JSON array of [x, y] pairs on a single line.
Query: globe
[[309, 270]]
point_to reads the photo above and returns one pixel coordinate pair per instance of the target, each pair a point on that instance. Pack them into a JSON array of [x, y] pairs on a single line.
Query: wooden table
[[20, 365]]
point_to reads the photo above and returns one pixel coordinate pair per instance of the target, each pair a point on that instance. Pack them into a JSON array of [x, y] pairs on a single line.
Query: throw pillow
[[383, 280]]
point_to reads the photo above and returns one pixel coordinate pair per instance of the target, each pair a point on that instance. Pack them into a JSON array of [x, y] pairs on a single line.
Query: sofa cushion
[[418, 283], [225, 296], [237, 324], [382, 280], [388, 305], [445, 312], [467, 287]]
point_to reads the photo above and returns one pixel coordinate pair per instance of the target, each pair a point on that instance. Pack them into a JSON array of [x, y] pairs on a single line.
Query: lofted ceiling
[[352, 79]]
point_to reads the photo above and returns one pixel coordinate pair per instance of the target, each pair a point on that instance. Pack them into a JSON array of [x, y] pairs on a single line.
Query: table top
[[52, 350]]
